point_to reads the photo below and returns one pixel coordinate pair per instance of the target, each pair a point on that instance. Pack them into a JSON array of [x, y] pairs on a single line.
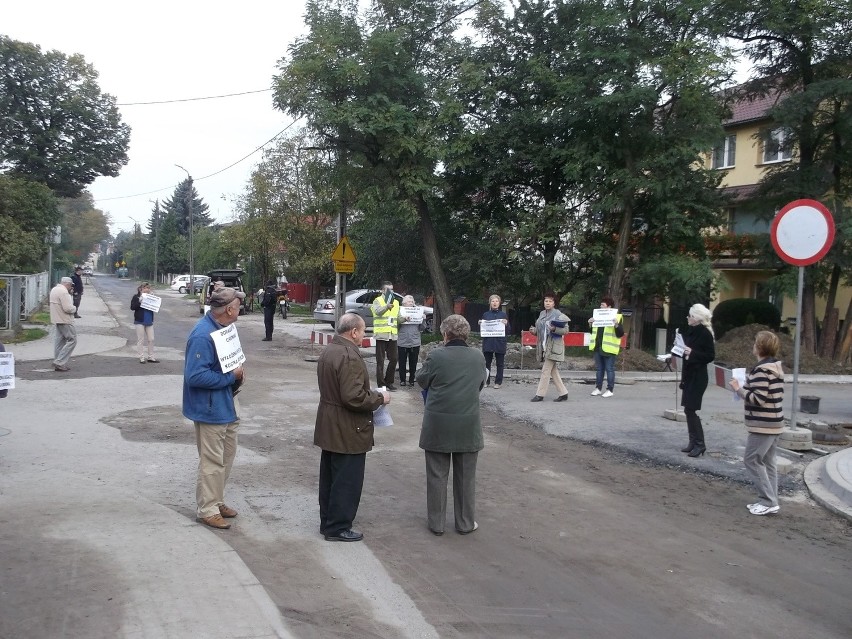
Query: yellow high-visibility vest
[[610, 343], [388, 322]]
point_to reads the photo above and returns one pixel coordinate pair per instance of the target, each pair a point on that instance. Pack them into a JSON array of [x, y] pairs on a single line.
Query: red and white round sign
[[802, 232]]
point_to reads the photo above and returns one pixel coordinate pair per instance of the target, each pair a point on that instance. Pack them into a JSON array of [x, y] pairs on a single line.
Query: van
[[232, 277]]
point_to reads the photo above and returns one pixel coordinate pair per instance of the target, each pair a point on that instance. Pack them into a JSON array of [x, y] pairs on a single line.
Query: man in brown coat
[[344, 428]]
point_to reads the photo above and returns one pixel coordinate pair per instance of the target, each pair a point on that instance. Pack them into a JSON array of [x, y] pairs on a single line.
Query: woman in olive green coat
[[549, 329], [452, 376]]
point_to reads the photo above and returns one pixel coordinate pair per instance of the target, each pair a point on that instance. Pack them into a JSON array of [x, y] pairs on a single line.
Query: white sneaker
[[496, 386], [142, 360], [607, 393], [596, 392], [760, 509]]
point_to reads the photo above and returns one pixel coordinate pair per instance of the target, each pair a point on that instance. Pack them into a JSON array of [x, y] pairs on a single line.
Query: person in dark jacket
[[453, 376], [209, 401], [408, 342], [763, 393], [344, 428], [77, 291], [268, 302], [699, 350], [143, 319], [494, 347]]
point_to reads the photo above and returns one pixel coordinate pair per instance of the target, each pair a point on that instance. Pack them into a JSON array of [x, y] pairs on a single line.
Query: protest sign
[[492, 328], [603, 317], [151, 302], [7, 371], [412, 314], [228, 348]]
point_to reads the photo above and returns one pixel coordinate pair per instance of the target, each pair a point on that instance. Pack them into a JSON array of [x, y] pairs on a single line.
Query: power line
[[209, 97], [166, 188]]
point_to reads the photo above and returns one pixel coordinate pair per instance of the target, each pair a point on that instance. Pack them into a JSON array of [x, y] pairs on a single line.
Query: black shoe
[[437, 533], [537, 398], [345, 535], [78, 317], [688, 447], [562, 398], [698, 450], [266, 339], [391, 388]]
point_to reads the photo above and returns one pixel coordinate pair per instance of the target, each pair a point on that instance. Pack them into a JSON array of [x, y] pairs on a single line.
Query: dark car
[[232, 277]]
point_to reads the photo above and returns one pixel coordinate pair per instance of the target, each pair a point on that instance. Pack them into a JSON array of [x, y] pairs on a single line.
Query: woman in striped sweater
[[763, 393]]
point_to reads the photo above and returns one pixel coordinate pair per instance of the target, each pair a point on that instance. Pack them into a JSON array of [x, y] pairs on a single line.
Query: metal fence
[[20, 297]]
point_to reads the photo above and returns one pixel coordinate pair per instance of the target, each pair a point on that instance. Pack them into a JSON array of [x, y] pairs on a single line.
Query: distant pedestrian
[[77, 293], [268, 302], [453, 376], [209, 401], [344, 428], [495, 347], [62, 317], [408, 343], [763, 394], [143, 319], [385, 310], [698, 352], [605, 343], [549, 329]]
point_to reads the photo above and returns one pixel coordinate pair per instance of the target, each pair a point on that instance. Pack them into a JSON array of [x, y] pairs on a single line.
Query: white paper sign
[[492, 328], [412, 314], [738, 374], [228, 348], [151, 302], [604, 317], [7, 371], [678, 347], [381, 416]]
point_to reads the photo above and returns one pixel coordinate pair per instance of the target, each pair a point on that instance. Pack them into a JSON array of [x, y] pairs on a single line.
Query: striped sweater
[[763, 393]]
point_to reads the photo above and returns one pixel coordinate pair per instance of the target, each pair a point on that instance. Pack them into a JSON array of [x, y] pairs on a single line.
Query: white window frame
[[777, 146], [728, 150]]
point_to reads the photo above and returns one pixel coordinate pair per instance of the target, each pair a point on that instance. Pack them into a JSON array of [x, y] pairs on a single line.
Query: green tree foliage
[[742, 311], [184, 198], [28, 212], [83, 227], [56, 127]]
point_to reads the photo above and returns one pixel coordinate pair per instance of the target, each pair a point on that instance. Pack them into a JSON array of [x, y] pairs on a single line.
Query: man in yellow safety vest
[[605, 342], [385, 310]]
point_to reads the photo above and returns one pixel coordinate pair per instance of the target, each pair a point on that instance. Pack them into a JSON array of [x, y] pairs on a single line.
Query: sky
[[157, 51]]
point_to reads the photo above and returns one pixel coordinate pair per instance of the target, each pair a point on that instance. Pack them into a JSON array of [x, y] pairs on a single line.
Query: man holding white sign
[[605, 342], [209, 388]]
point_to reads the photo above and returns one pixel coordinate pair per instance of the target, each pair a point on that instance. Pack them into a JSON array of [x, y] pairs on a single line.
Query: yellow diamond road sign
[[343, 252]]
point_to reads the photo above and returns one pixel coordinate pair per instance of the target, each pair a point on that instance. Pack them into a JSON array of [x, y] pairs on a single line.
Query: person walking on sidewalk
[[143, 319], [408, 342], [209, 401], [268, 302], [549, 329], [344, 428], [62, 311], [605, 343], [699, 350], [763, 393], [495, 347], [385, 310], [77, 293]]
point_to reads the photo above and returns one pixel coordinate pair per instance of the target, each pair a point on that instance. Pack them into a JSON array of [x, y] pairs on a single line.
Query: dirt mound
[[734, 350]]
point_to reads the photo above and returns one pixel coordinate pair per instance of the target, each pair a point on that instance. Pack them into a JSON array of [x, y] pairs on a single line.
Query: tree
[[179, 205], [83, 226], [28, 213], [56, 128]]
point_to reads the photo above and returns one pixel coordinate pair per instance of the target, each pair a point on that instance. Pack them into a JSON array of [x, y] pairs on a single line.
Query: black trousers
[[500, 357], [341, 479], [386, 348], [693, 426], [408, 362], [268, 315]]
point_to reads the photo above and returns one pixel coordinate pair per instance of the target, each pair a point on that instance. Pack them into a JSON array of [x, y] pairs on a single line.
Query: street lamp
[[189, 209]]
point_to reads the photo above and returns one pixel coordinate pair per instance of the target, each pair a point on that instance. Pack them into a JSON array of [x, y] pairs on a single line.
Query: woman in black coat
[[699, 350]]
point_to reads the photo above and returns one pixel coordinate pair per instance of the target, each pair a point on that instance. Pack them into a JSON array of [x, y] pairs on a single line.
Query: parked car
[[87, 271], [359, 301], [232, 277], [181, 283]]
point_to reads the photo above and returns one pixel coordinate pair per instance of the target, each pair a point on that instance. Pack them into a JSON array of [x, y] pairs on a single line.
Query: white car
[[181, 283], [359, 301]]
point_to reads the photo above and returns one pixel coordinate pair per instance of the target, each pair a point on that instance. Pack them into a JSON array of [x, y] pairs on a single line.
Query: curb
[[827, 486]]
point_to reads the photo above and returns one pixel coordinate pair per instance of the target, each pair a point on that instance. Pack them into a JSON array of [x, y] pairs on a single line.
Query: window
[[725, 153], [777, 145]]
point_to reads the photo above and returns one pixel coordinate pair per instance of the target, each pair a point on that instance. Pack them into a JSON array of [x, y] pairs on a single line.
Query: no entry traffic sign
[[802, 232]]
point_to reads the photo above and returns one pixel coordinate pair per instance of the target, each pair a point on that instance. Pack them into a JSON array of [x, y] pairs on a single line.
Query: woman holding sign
[[411, 324], [492, 328], [698, 351], [143, 318]]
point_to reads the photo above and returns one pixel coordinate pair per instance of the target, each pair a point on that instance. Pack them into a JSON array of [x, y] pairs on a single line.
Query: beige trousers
[[143, 333], [217, 446], [550, 370]]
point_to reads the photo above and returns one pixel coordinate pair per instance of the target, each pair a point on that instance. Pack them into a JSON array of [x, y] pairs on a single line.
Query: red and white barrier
[[325, 338]]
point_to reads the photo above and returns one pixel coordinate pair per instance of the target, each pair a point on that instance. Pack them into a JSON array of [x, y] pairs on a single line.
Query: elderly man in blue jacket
[[208, 400]]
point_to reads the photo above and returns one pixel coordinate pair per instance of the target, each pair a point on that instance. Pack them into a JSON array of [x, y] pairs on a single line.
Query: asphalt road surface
[[574, 540]]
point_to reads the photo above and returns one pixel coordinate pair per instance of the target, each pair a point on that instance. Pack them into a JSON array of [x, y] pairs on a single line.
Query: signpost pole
[[797, 343]]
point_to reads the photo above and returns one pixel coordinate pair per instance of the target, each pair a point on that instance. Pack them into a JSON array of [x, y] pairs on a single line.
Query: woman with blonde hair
[[699, 350], [495, 347], [408, 343]]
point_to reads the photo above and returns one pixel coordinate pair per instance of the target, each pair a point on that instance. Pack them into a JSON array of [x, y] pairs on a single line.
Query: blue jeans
[[604, 361]]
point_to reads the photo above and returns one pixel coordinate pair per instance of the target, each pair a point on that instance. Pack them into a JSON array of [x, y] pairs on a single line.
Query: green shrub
[[742, 311]]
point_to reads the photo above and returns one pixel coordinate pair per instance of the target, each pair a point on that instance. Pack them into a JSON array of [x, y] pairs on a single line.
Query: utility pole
[[156, 234], [189, 210]]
